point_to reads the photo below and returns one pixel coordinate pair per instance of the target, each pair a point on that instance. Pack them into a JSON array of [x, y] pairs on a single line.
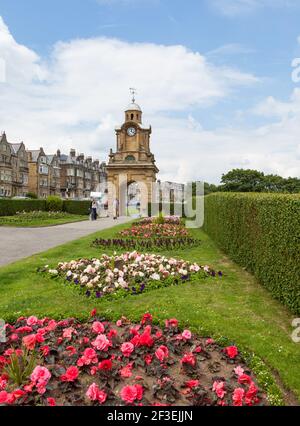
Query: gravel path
[[18, 243]]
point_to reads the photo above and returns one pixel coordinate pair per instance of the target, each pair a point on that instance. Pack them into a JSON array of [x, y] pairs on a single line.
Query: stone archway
[[134, 199]]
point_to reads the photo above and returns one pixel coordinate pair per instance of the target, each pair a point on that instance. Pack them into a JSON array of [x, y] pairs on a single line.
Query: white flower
[[155, 277], [84, 279], [53, 271]]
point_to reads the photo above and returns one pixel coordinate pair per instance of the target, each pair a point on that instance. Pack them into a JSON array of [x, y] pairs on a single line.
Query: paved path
[[17, 243]]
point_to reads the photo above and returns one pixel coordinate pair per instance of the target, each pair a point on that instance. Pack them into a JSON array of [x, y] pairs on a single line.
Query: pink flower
[[67, 334], [218, 388], [98, 327], [102, 343], [239, 370], [40, 377], [238, 396], [3, 381], [127, 348], [173, 322], [130, 394], [31, 340], [186, 334], [32, 321], [209, 341], [126, 371], [96, 394], [162, 353], [70, 375], [231, 351], [89, 357], [119, 323]]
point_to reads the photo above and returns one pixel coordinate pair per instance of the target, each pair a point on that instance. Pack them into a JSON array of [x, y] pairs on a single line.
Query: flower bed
[[172, 220], [146, 244], [128, 273], [45, 362], [154, 230]]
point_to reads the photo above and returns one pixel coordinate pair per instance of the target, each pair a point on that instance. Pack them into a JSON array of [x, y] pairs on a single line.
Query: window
[[130, 158], [132, 116], [43, 170]]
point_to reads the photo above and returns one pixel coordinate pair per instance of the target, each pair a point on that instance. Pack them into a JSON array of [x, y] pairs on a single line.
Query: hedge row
[[76, 207], [262, 233], [11, 207]]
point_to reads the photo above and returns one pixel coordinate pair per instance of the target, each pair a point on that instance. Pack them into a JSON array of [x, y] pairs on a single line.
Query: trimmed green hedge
[[10, 207], [76, 207], [262, 233]]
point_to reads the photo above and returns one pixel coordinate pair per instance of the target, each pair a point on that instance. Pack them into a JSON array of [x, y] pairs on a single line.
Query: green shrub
[[174, 208], [262, 233], [76, 207], [9, 207], [54, 204]]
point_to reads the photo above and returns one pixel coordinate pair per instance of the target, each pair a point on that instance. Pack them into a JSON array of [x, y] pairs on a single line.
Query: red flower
[[146, 318], [133, 393], [105, 365], [51, 402], [127, 348], [93, 312], [238, 396], [251, 395], [173, 322], [148, 359], [45, 350], [192, 383], [96, 394], [71, 350], [231, 351], [3, 397], [244, 378], [189, 359], [70, 375]]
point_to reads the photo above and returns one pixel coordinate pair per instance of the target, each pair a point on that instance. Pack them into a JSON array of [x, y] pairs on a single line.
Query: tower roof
[[134, 107]]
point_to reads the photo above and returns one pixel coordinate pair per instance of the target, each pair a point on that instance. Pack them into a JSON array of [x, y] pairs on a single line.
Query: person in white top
[[116, 208]]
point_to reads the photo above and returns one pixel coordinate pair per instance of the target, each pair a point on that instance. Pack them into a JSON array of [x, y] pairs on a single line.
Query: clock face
[[131, 131]]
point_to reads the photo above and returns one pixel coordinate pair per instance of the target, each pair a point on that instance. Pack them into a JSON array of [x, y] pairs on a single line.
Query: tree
[[240, 180]]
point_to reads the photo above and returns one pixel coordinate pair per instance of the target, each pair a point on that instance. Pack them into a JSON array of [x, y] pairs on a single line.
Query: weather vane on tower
[[133, 92]]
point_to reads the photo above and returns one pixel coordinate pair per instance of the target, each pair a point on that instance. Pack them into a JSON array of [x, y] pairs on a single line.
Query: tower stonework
[[133, 161]]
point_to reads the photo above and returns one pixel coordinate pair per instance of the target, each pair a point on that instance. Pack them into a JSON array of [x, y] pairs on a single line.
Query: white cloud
[[233, 8], [75, 98]]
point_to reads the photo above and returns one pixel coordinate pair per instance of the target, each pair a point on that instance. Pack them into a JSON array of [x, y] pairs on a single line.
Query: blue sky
[[257, 39]]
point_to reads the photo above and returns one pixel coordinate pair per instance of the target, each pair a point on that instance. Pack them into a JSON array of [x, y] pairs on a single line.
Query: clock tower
[[132, 164]]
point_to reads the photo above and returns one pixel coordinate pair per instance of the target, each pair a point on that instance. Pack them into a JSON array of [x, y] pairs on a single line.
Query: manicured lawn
[[235, 307], [40, 219]]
